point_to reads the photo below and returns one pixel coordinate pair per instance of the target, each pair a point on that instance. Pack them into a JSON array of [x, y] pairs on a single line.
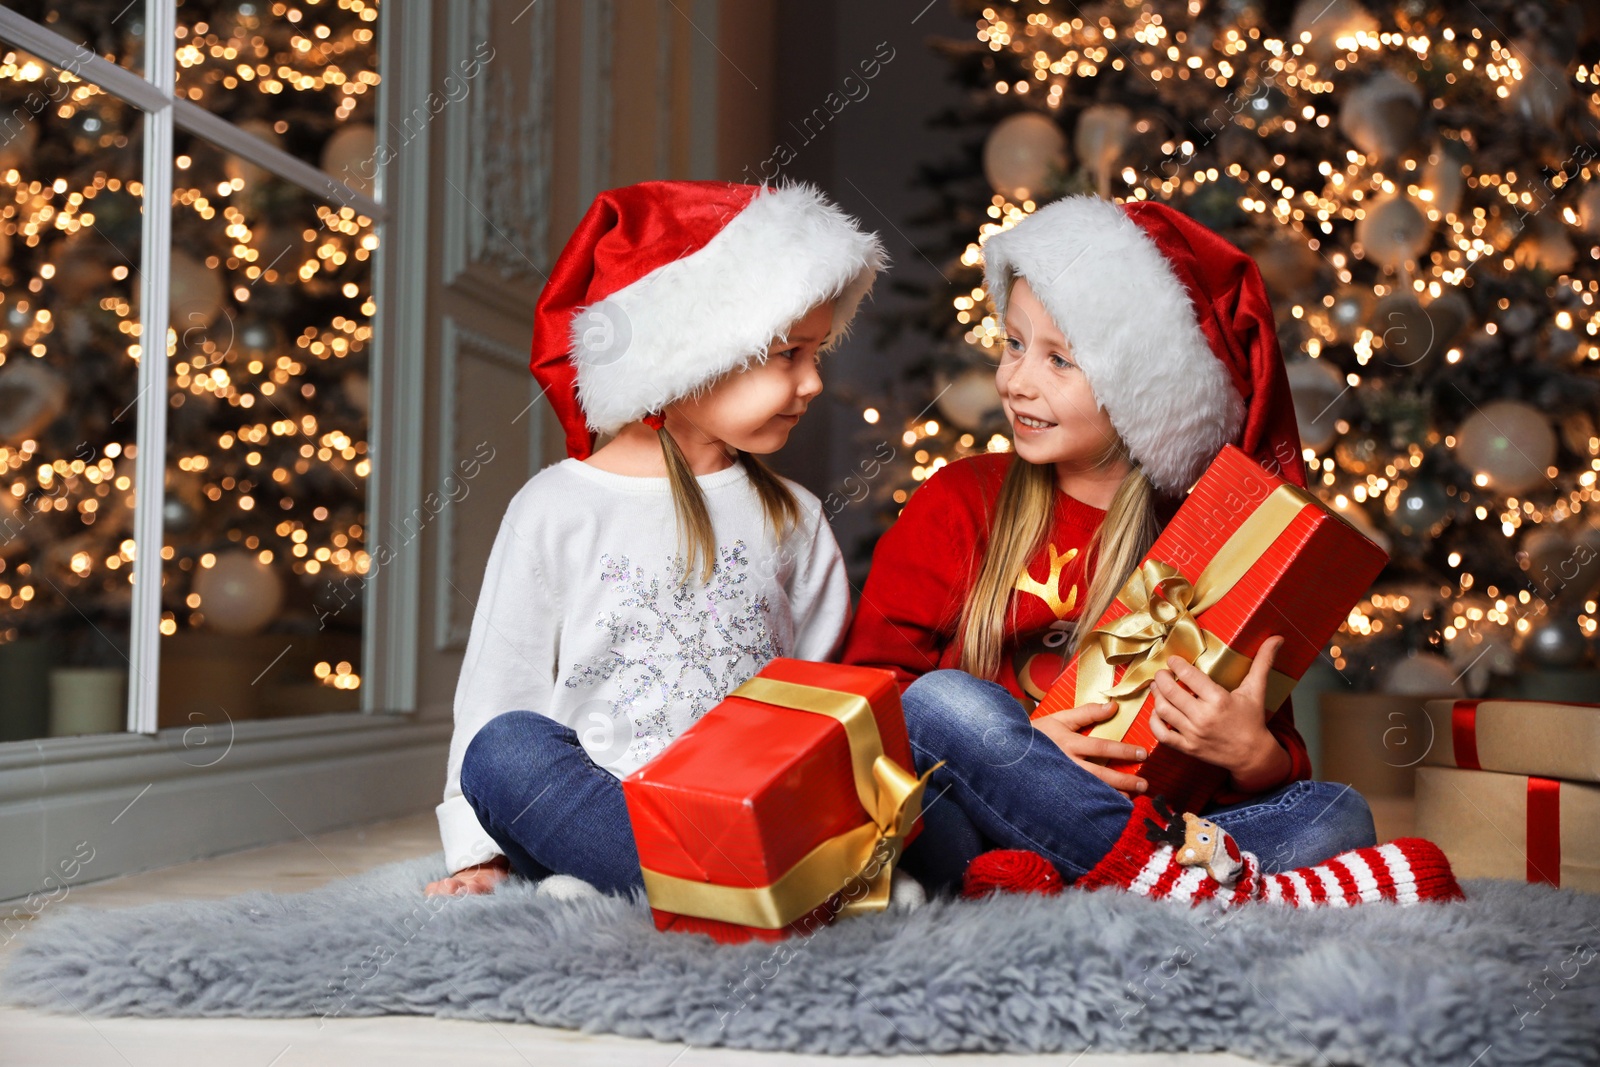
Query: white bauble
[[970, 398], [1020, 154], [32, 396], [239, 594], [1317, 387], [1444, 176], [1381, 116], [351, 156], [1392, 231], [195, 293], [237, 167], [1422, 674], [1509, 443], [1329, 23], [1101, 137]]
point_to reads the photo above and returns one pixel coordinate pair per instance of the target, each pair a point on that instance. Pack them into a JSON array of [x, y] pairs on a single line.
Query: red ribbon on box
[[1544, 830], [1464, 734]]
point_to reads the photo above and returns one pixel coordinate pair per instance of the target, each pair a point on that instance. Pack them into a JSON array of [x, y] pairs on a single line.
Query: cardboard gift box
[[1245, 557], [1512, 826], [1549, 739], [780, 808]]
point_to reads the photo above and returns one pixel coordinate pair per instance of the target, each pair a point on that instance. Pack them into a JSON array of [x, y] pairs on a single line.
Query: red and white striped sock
[[1184, 857]]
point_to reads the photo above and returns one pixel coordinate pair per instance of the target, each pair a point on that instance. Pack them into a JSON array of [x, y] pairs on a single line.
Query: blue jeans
[[1006, 785], [547, 805]]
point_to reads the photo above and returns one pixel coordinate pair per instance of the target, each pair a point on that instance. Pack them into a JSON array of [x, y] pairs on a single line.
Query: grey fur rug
[[1510, 976]]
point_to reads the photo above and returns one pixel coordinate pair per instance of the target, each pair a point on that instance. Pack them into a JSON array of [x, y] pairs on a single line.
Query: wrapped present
[[1517, 736], [1246, 556], [782, 807], [1512, 826]]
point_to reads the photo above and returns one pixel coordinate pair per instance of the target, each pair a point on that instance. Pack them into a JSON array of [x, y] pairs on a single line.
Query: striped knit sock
[[1184, 857]]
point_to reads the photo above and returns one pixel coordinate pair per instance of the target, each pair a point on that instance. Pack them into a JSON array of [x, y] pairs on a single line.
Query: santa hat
[[1170, 323], [665, 286]]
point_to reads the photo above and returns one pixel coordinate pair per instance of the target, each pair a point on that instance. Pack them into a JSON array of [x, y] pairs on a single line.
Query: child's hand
[[479, 878], [1196, 715], [1063, 727]]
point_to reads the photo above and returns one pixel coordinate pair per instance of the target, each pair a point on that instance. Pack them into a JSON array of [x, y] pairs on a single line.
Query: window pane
[[112, 29], [69, 274], [302, 75], [267, 463]]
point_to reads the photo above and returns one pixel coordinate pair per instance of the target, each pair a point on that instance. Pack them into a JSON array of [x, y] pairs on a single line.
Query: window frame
[[396, 364]]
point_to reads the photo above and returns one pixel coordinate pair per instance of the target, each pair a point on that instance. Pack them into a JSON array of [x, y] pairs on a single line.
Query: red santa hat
[[1170, 323], [665, 286]]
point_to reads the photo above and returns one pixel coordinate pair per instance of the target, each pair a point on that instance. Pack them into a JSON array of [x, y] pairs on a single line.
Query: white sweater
[[581, 617]]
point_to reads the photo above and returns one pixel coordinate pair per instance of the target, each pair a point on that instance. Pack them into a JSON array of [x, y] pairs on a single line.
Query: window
[[241, 454]]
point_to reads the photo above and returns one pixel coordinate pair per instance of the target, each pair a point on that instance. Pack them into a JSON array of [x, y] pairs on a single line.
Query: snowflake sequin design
[[677, 649]]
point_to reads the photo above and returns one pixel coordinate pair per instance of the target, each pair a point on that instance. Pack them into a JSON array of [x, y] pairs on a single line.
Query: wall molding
[[452, 625]]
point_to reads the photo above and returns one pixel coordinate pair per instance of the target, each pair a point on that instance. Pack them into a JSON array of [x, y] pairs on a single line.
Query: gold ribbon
[[857, 862], [1161, 620]]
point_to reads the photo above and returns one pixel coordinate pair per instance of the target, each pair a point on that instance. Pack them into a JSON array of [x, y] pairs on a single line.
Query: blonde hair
[[695, 531], [1021, 522]]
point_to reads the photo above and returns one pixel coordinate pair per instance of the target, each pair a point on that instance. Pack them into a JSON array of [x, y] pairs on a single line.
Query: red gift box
[[1247, 556], [780, 808]]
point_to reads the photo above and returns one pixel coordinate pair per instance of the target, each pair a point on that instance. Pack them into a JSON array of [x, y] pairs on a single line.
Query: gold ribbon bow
[[1162, 605], [856, 863]]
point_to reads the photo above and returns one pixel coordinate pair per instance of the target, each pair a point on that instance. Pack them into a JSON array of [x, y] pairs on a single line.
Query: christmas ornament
[[1287, 264], [1317, 388], [1421, 506], [32, 396], [1022, 154], [1351, 310], [351, 156], [1508, 444], [1444, 179], [1589, 207], [1540, 96], [177, 516], [239, 169], [1547, 246], [1392, 231], [1407, 331], [1103, 133], [970, 399], [1422, 674], [239, 594], [1381, 116], [196, 292], [1333, 27], [1556, 641], [257, 337], [1480, 650]]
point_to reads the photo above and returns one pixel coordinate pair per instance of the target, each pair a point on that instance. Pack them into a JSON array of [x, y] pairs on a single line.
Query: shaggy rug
[[1509, 976]]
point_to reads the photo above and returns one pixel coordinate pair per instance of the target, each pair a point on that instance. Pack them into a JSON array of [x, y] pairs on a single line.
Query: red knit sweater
[[924, 565]]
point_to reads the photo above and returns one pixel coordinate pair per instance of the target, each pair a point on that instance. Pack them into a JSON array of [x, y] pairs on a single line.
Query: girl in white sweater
[[631, 588]]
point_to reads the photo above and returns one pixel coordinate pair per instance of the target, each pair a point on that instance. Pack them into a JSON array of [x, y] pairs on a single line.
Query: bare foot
[[470, 881]]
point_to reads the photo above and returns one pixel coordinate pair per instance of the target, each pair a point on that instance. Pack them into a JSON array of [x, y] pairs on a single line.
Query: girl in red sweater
[[1136, 344]]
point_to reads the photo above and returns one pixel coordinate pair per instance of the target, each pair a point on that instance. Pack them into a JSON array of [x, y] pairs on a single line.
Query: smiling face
[[754, 409], [1047, 399]]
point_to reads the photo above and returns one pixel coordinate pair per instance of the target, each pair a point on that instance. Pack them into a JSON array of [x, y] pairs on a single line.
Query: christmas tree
[[1418, 186], [270, 323]]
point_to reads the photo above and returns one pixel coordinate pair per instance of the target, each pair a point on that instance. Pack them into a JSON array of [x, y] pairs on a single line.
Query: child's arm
[[819, 590], [509, 665], [920, 570]]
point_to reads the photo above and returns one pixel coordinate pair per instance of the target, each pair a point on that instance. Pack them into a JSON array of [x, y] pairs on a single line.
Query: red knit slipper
[[1166, 856], [1406, 871], [1010, 870]]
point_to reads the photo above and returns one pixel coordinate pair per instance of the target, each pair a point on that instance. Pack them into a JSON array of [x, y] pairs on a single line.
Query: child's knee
[[510, 737], [1338, 820], [950, 713]]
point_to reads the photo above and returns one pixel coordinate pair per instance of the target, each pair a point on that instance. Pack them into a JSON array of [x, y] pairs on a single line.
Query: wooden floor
[[38, 1038]]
